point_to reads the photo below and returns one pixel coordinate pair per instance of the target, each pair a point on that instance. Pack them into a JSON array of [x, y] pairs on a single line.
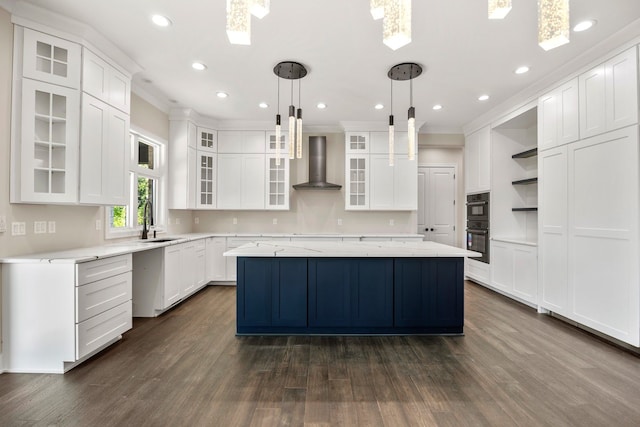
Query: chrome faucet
[[147, 215]]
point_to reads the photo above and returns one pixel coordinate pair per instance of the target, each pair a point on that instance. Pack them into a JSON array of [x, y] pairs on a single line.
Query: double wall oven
[[478, 225]]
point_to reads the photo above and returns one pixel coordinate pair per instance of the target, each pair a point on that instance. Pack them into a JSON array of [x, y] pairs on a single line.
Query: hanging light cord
[[278, 111]]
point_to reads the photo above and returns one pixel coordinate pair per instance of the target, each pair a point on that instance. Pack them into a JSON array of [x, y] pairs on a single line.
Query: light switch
[[52, 227], [275, 221], [3, 224], [235, 221], [39, 227], [196, 220], [18, 229], [392, 222], [339, 221]]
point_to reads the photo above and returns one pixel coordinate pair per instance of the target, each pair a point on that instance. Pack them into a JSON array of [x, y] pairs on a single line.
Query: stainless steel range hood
[[317, 166]]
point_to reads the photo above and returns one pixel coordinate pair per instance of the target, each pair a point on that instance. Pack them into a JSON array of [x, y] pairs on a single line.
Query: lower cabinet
[[515, 270], [56, 315], [350, 296]]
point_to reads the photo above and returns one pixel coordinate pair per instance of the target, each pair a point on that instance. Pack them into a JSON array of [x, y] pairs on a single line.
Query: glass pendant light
[[299, 125], [396, 23], [498, 9], [278, 128], [391, 130], [411, 124], [553, 23], [259, 8], [238, 22], [406, 71], [292, 126]]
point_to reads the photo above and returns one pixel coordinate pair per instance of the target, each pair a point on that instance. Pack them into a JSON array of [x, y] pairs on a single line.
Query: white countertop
[[131, 246], [349, 249]]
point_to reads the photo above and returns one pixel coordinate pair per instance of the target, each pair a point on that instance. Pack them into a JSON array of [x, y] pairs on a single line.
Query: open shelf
[[526, 154], [525, 181], [524, 209]]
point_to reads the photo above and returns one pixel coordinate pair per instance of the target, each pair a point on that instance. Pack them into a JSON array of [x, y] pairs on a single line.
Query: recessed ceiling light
[[379, 106], [263, 105], [173, 101], [321, 105], [584, 25], [522, 70], [222, 94], [483, 97], [161, 21], [437, 107], [198, 66]]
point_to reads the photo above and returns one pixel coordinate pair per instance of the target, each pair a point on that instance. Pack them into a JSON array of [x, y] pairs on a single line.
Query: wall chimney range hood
[[317, 166]]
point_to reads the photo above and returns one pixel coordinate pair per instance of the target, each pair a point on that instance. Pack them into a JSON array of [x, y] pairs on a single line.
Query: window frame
[[159, 173]]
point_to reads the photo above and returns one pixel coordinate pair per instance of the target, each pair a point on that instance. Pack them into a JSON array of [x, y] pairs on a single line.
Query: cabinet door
[[372, 293], [229, 183], [173, 276], [382, 186], [50, 59], [48, 144], [119, 90], [207, 140], [405, 185], [207, 163], [272, 148], [356, 142], [330, 293], [525, 273], [277, 183], [357, 179], [216, 263], [289, 292], [621, 76], [548, 121], [478, 161], [568, 112], [604, 287], [254, 303], [552, 217], [189, 267], [484, 160], [247, 142], [502, 266], [95, 75], [592, 102], [252, 181]]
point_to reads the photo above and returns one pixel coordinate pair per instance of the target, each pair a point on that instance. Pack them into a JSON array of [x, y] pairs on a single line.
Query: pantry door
[[436, 204]]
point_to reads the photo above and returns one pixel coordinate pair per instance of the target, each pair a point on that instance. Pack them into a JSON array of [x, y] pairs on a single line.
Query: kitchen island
[[349, 288]]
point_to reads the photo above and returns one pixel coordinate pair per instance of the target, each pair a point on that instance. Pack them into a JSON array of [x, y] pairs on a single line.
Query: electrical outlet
[[339, 221], [39, 227], [52, 227], [275, 221], [235, 221], [18, 228], [196, 220], [98, 225], [3, 224], [392, 222]]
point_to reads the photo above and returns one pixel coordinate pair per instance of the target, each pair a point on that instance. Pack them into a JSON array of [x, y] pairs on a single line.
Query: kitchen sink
[[158, 240]]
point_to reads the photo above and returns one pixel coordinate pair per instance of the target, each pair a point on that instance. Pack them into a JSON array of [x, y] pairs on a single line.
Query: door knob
[[431, 229]]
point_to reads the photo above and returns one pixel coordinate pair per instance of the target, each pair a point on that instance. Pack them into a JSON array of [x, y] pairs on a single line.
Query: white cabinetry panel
[[477, 153], [50, 59], [103, 81], [216, 267], [558, 114], [357, 182]]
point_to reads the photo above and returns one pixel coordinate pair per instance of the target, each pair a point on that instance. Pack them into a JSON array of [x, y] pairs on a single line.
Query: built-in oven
[[478, 225]]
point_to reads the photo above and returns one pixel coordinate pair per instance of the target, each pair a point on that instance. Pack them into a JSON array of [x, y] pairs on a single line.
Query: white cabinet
[[277, 183], [393, 187], [272, 148], [104, 81], [233, 141], [514, 270], [558, 116], [357, 179], [207, 139], [379, 143], [104, 153], [609, 95], [49, 59], [477, 158], [183, 165], [45, 144], [241, 180], [589, 233], [356, 143], [170, 289], [216, 264], [199, 264], [206, 187], [56, 315], [552, 216]]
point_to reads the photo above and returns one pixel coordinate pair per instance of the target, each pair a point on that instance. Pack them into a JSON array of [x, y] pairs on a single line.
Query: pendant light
[[299, 125], [238, 22], [553, 23], [278, 128], [377, 9], [407, 71], [292, 126], [396, 23], [498, 9], [292, 71], [259, 8], [391, 130]]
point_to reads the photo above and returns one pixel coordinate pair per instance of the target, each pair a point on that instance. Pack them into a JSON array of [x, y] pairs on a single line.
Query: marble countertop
[[349, 249], [79, 255]]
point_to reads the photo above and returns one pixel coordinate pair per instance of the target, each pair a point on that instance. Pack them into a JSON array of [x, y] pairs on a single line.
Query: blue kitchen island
[[349, 288]]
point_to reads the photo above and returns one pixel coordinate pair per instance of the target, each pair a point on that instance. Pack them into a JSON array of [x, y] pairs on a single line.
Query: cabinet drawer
[[97, 297], [102, 268], [199, 245], [99, 330]]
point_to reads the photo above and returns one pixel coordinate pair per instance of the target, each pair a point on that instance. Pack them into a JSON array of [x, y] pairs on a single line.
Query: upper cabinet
[[609, 95], [183, 164], [477, 158], [207, 140], [105, 82], [234, 141], [558, 116], [49, 59], [356, 142]]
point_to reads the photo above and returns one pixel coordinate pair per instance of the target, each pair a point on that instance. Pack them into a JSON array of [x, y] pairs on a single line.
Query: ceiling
[[463, 55]]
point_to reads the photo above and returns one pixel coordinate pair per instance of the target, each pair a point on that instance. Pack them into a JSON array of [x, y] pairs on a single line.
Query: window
[[146, 177]]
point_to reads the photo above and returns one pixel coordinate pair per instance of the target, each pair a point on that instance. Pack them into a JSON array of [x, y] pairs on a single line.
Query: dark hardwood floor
[[187, 368]]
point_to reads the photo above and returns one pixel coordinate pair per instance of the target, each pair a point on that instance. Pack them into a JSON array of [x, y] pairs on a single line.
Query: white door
[[436, 204]]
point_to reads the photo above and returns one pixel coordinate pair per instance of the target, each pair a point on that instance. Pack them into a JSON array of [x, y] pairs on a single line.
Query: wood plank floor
[[512, 367]]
